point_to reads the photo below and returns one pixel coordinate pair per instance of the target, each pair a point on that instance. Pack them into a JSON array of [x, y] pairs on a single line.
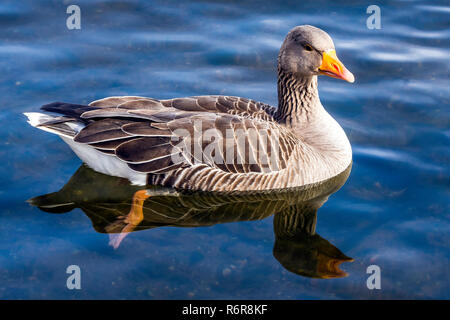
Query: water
[[393, 210]]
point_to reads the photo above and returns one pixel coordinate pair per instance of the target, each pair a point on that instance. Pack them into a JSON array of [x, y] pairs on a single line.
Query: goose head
[[308, 51]]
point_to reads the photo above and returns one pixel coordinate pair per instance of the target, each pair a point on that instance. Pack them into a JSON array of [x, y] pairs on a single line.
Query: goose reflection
[[118, 208]]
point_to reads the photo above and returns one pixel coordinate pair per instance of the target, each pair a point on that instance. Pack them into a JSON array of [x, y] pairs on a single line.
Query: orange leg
[[132, 219]]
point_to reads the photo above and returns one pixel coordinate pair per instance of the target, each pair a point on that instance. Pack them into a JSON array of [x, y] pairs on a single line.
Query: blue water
[[393, 211]]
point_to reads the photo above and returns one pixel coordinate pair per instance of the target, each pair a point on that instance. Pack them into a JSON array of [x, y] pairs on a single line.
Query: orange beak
[[332, 67]]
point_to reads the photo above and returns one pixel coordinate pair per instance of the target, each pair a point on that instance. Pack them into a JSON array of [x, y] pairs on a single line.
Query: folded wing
[[155, 136]]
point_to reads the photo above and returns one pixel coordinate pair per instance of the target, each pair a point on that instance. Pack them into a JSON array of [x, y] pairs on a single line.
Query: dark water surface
[[393, 210]]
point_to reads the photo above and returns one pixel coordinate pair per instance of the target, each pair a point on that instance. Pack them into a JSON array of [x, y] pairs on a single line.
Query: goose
[[217, 143]]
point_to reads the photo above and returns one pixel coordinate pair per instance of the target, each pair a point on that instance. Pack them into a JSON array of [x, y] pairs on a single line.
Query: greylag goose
[[217, 143]]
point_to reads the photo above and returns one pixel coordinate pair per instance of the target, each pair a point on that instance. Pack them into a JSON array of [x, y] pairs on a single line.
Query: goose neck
[[298, 99]]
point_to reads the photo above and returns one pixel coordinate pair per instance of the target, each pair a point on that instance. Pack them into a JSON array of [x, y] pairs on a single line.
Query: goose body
[[217, 143]]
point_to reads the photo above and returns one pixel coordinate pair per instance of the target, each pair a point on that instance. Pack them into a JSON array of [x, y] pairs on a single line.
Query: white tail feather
[[36, 118], [99, 161]]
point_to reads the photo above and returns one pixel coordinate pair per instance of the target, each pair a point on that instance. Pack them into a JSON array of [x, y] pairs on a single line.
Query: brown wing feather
[[144, 129], [144, 149], [115, 101], [102, 130], [234, 143]]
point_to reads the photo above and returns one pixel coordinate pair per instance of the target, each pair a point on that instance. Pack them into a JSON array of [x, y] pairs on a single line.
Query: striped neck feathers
[[298, 99]]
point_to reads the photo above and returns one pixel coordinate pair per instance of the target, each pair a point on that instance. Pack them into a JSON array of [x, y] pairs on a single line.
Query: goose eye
[[307, 47]]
